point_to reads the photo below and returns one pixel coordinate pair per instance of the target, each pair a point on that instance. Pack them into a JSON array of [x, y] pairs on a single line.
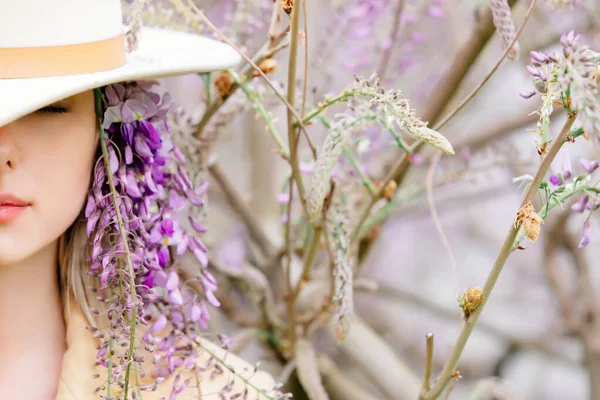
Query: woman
[[96, 298]]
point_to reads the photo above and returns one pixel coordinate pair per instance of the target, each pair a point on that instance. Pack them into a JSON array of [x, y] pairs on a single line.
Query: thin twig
[[434, 216], [291, 99], [444, 92], [478, 140], [296, 176], [542, 345], [238, 205], [506, 250], [387, 53], [367, 183], [305, 81], [248, 60], [367, 210], [274, 44], [428, 361], [308, 260], [492, 71]]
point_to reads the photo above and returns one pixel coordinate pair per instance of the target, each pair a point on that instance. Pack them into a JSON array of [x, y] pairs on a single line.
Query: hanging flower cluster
[[146, 170], [568, 78]]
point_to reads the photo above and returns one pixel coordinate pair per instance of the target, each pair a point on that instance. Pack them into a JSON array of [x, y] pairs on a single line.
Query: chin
[[18, 248], [12, 251]]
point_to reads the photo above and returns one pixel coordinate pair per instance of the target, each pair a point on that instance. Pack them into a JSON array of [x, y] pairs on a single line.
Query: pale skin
[[46, 159]]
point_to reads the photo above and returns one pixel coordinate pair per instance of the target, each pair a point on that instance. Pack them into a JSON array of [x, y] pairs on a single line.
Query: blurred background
[[527, 344]]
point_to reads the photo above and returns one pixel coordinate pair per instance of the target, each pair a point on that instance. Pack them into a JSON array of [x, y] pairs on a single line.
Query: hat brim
[[161, 53]]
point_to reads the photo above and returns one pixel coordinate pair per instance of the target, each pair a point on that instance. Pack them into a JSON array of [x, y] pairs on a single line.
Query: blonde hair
[[73, 272], [73, 265]]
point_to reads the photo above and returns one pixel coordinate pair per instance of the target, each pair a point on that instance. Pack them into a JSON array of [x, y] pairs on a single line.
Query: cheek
[[57, 168], [63, 176]]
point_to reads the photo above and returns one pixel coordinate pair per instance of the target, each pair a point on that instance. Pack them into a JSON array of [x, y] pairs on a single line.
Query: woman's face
[[45, 160]]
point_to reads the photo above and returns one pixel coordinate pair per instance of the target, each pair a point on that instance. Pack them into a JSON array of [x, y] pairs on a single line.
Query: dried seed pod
[[470, 300], [389, 190], [529, 220], [456, 375], [287, 6], [268, 65], [224, 83]]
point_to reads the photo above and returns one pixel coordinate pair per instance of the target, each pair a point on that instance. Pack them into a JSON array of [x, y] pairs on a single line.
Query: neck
[[32, 335]]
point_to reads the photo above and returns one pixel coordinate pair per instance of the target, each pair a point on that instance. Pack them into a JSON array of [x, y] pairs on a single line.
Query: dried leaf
[[529, 220]]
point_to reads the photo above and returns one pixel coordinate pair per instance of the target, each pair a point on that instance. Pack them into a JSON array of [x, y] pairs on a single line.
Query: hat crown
[[43, 23]]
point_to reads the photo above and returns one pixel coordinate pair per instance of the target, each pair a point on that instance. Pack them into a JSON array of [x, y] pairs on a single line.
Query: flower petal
[[585, 237]]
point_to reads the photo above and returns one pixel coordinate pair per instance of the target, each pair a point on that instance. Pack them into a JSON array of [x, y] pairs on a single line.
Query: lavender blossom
[[585, 237], [567, 78], [561, 168], [581, 205], [577, 68], [589, 165]]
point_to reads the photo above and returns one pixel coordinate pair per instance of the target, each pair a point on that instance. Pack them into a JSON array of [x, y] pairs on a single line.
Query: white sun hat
[[51, 50]]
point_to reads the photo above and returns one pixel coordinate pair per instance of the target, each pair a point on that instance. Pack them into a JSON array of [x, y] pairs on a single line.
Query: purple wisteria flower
[[561, 168], [585, 237], [153, 189], [569, 77], [589, 165]]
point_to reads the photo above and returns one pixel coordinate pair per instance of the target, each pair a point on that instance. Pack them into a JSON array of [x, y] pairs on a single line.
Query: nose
[[7, 149]]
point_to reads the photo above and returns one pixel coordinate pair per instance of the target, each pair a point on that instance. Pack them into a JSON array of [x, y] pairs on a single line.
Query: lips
[[11, 207]]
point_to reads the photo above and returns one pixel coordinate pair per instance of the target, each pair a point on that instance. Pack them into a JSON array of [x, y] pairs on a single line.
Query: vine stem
[[296, 175], [396, 26], [291, 98], [122, 233], [505, 251]]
